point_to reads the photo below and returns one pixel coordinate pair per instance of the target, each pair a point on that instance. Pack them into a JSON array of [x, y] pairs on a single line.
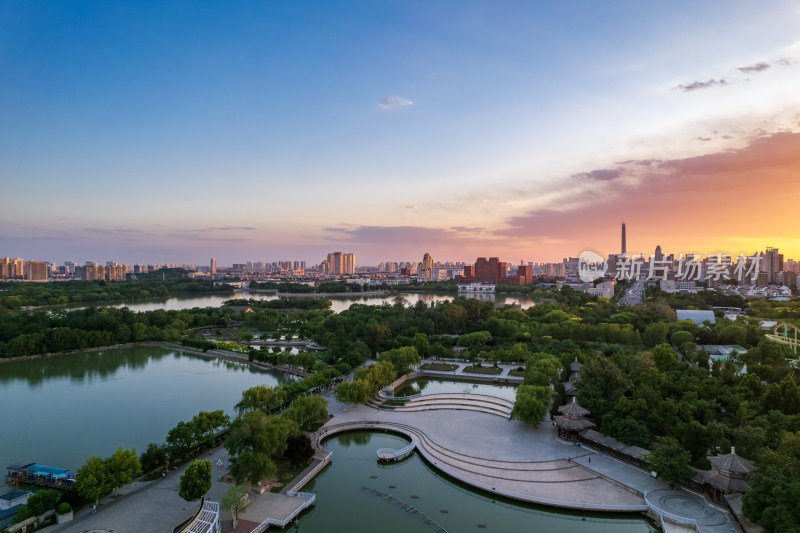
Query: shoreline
[[105, 303], [215, 353], [330, 294]]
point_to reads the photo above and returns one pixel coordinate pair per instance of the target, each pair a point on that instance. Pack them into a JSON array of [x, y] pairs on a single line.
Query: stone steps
[[466, 402]]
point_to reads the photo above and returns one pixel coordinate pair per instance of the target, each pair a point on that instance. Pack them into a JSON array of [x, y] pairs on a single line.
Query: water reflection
[[68, 408], [102, 365], [338, 303], [343, 504]]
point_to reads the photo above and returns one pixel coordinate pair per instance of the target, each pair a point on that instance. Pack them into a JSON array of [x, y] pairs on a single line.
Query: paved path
[[530, 464], [155, 506], [500, 456]]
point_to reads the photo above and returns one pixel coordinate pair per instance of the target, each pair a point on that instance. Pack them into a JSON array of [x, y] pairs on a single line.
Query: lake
[[339, 303], [62, 410]]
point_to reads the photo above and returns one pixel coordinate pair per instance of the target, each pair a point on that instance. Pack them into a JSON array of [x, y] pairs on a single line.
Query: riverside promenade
[[155, 506], [486, 450], [483, 449]]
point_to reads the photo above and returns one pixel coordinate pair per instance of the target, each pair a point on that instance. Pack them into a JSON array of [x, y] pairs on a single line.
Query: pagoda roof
[[732, 463], [573, 409], [573, 424], [575, 366], [725, 483]]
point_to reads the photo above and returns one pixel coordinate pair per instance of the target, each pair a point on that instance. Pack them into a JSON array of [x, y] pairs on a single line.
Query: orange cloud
[[728, 201]]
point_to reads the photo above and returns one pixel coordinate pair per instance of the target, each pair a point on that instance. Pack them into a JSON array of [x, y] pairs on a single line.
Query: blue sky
[[177, 131]]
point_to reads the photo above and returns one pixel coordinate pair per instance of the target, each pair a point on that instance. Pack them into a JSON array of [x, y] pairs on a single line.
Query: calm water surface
[[439, 386], [339, 304], [342, 504], [60, 411]]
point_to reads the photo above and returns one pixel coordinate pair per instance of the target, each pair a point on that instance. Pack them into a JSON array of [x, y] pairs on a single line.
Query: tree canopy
[[196, 480]]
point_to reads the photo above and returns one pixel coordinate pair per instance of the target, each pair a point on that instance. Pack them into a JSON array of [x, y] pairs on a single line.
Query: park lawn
[[491, 370], [517, 373], [439, 366]]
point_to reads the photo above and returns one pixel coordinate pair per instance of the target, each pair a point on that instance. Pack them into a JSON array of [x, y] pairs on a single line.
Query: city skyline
[[149, 133]]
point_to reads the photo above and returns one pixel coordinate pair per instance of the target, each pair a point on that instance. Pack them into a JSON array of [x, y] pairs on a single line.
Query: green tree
[[180, 440], [122, 467], [664, 356], [263, 398], [669, 460], [775, 487], [655, 333], [531, 404], [236, 501], [307, 409], [196, 480], [155, 456], [92, 479], [42, 501], [403, 359], [422, 344], [254, 439]]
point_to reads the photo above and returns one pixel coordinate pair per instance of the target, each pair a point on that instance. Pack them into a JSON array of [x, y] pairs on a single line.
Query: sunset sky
[[145, 132]]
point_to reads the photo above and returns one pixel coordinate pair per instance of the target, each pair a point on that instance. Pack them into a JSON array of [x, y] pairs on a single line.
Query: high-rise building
[[425, 272], [115, 272], [341, 263], [624, 242], [213, 265], [771, 264], [12, 268], [35, 271], [92, 271], [524, 274], [349, 263], [490, 270]]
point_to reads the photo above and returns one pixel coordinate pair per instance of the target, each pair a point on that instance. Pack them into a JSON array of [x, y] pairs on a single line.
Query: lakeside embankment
[[220, 354], [330, 294]]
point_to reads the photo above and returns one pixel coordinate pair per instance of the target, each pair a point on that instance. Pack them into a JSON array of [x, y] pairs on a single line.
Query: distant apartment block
[[12, 268], [495, 272], [339, 263], [35, 271]]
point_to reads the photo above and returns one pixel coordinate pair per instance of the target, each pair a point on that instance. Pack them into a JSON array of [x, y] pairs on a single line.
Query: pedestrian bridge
[[390, 454]]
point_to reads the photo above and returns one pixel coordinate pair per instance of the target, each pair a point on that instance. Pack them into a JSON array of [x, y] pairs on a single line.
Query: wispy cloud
[[605, 174], [735, 76], [394, 102], [757, 67], [211, 233], [696, 85], [115, 231], [716, 181], [411, 207]]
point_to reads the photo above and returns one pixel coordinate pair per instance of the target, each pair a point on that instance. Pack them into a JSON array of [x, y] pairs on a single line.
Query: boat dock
[[39, 474]]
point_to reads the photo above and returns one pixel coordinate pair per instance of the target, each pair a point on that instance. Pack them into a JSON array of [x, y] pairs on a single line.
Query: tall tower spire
[[624, 247]]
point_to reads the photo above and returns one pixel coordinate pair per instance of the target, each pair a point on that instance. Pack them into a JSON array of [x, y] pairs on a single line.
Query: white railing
[[308, 501], [349, 426], [313, 472], [389, 454], [670, 516]]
